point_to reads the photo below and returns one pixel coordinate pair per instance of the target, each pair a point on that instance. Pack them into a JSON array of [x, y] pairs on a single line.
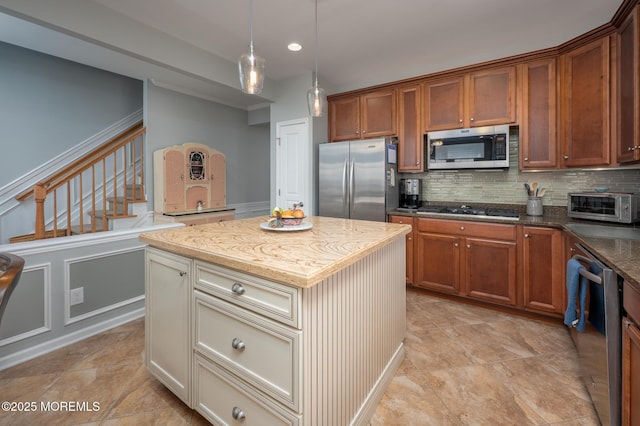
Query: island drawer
[[223, 399], [260, 351], [273, 300]]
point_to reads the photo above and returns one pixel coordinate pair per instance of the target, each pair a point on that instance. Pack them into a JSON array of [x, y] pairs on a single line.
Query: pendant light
[[251, 66], [316, 97]]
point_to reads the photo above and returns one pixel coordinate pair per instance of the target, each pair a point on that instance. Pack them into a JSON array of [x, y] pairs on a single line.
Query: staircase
[[102, 191]]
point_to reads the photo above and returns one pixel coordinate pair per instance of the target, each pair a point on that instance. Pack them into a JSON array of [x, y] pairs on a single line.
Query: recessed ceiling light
[[294, 47]]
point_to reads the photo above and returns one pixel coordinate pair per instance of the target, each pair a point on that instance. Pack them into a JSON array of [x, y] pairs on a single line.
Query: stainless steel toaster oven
[[621, 207]]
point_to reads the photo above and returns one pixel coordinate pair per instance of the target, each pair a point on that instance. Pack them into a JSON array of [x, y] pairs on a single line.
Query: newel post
[[39, 193]]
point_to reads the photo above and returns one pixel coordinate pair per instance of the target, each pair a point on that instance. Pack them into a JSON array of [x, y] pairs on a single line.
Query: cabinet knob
[[183, 273], [526, 158], [237, 288], [472, 119], [460, 120], [462, 228], [237, 413], [238, 344], [455, 244], [566, 157], [468, 246], [182, 177], [409, 239], [526, 235], [631, 148], [572, 250]]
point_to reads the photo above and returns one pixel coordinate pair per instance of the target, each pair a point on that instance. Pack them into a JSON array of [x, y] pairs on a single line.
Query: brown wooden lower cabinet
[[409, 239], [543, 270], [630, 373], [511, 265], [631, 356], [476, 260]]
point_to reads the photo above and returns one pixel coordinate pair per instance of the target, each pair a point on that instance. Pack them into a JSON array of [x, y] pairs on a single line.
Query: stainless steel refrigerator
[[357, 179]]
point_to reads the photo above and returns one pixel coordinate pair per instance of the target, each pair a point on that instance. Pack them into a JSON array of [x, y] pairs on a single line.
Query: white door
[[293, 164]]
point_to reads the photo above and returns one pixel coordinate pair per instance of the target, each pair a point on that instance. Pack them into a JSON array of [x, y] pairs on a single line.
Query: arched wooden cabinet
[[189, 177]]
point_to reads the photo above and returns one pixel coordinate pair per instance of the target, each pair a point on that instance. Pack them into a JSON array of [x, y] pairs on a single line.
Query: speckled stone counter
[[301, 258], [621, 255]]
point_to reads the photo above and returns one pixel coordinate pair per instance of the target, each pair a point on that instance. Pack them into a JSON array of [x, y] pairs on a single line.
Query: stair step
[[120, 200], [110, 214]]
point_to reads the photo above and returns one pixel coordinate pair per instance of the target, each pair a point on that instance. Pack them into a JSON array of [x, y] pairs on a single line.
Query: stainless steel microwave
[[621, 207], [474, 148]]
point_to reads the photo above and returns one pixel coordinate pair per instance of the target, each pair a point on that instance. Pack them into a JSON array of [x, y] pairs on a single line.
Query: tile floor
[[464, 365]]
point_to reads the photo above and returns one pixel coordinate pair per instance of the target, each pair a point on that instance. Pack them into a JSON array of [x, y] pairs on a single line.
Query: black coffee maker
[[410, 190]]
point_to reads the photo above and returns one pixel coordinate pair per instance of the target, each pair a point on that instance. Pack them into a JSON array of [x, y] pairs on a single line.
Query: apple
[[298, 213]]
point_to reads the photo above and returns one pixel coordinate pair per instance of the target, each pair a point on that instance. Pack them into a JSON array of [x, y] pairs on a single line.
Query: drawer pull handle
[[237, 413], [238, 289], [183, 273], [238, 344]]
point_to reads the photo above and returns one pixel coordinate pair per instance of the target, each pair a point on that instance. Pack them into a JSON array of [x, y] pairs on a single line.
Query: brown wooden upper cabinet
[[538, 130], [364, 116], [410, 137], [479, 98], [628, 89], [584, 114]]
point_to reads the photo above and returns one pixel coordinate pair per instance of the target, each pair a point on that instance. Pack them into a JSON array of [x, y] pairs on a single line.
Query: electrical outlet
[[76, 296]]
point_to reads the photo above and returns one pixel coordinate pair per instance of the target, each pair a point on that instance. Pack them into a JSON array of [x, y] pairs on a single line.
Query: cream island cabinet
[[254, 326]]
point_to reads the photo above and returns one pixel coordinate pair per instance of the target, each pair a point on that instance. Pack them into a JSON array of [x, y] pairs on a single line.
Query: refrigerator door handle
[[344, 186], [352, 188]]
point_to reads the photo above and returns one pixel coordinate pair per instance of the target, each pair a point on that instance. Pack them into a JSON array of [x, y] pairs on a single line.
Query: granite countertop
[[301, 258], [622, 255]]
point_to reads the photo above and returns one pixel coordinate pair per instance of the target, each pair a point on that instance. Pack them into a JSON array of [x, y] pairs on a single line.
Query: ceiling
[[364, 42]]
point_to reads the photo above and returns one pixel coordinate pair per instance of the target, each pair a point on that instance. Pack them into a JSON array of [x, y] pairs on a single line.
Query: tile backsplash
[[507, 186]]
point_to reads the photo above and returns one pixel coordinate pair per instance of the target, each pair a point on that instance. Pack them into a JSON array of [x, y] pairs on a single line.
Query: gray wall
[[174, 118], [507, 187], [49, 105]]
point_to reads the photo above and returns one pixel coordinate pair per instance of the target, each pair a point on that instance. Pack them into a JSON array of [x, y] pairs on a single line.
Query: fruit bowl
[[292, 221]]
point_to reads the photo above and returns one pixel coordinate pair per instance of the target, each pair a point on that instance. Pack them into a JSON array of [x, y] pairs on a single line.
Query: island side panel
[[355, 322]]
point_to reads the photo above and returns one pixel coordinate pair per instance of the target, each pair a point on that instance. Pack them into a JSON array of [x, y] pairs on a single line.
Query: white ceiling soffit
[[361, 42]]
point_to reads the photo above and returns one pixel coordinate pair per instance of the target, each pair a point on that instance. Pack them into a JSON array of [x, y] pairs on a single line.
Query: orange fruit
[[298, 213]]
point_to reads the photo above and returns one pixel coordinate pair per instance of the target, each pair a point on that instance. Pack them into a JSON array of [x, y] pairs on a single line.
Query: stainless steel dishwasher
[[600, 345]]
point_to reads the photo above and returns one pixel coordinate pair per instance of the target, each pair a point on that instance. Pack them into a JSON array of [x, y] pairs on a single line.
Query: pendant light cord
[[251, 27], [316, 47]]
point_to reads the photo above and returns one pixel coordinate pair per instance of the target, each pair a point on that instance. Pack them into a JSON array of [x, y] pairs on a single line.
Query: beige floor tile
[[464, 365]]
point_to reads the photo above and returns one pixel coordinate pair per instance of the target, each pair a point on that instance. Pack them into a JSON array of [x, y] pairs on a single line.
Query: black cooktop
[[468, 210]]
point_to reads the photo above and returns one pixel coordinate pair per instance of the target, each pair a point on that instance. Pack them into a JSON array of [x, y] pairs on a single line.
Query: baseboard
[[62, 341]]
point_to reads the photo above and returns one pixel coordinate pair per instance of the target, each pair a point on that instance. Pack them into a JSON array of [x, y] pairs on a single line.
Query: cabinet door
[[217, 180], [630, 373], [437, 262], [168, 321], [195, 194], [378, 114], [538, 140], [585, 105], [410, 139], [409, 242], [174, 168], [443, 104], [490, 270], [628, 90], [543, 269], [492, 97], [344, 119]]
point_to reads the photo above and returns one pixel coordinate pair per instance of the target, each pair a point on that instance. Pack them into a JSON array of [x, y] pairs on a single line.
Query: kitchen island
[[279, 327]]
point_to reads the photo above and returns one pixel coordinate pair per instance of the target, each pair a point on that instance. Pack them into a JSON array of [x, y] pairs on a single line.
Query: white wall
[[49, 105]]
